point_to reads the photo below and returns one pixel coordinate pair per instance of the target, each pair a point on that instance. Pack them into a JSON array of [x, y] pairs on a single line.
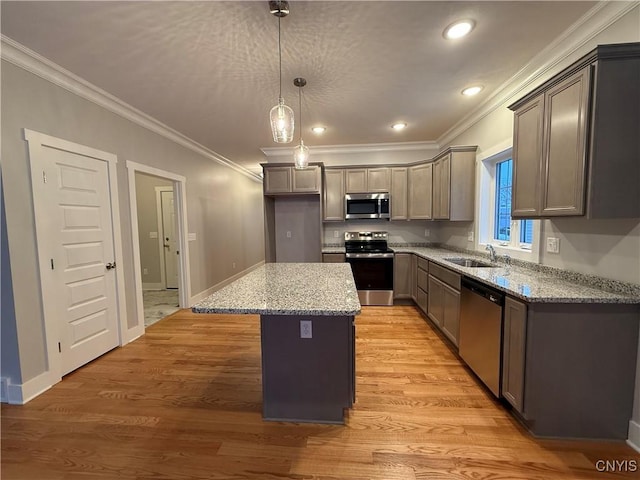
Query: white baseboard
[[153, 286], [202, 295], [634, 436], [19, 394]]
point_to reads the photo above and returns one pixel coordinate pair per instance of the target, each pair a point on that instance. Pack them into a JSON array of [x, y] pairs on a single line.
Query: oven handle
[[369, 255]]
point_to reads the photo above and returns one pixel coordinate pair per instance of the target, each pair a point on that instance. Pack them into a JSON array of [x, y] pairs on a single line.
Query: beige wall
[[224, 207], [147, 223]]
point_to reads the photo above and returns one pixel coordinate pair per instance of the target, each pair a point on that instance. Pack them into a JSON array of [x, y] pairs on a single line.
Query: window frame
[[487, 213]]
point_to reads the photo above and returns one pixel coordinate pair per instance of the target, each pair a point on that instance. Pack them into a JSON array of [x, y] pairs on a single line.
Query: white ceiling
[[210, 69]]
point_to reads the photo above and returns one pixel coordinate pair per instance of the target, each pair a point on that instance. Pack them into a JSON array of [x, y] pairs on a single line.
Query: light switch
[[288, 234], [192, 237], [153, 234]]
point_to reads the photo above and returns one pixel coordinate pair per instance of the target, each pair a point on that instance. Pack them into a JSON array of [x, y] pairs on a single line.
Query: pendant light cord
[[280, 57], [300, 108]]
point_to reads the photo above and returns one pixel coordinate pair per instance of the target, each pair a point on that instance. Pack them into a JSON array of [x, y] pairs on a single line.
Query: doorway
[[159, 238]]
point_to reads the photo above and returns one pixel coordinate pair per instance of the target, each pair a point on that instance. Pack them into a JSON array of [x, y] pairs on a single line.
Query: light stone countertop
[[525, 283], [326, 289]]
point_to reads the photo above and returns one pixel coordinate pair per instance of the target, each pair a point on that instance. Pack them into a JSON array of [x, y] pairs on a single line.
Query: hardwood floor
[[184, 402]]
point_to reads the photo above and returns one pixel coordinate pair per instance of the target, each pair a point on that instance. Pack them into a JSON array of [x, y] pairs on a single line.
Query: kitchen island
[[307, 335]]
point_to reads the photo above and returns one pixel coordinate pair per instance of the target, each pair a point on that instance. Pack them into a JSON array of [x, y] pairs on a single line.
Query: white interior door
[[169, 238], [75, 232]]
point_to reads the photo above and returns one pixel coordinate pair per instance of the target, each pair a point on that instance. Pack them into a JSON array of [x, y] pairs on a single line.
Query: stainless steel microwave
[[367, 205]]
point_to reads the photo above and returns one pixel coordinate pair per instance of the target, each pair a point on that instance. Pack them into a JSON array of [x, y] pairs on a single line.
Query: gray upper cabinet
[[576, 140], [285, 179], [333, 206], [420, 185], [399, 207], [367, 180], [454, 184]]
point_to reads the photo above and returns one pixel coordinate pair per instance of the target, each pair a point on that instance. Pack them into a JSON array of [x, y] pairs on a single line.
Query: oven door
[[373, 274]]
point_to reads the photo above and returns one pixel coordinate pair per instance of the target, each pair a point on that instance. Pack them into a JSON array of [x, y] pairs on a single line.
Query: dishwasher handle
[[483, 290]]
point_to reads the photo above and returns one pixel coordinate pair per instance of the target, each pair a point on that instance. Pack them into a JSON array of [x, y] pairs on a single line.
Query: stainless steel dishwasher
[[480, 341]]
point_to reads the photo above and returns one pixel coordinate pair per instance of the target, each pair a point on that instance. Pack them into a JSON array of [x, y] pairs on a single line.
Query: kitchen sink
[[469, 262]]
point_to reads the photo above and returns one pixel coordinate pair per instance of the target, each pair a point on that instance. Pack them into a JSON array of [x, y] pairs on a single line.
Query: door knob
[[111, 265]]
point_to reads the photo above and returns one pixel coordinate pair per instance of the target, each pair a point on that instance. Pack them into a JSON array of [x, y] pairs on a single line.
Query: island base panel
[[307, 379]]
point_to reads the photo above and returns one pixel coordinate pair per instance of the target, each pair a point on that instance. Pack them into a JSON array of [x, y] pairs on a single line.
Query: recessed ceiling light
[[319, 130], [471, 91], [399, 126], [459, 29]]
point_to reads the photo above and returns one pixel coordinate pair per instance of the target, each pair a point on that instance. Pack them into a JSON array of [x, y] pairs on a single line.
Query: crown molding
[[355, 148], [545, 63], [25, 58]]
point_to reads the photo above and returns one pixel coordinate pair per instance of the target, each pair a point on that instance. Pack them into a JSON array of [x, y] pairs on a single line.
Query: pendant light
[[282, 124], [301, 152]]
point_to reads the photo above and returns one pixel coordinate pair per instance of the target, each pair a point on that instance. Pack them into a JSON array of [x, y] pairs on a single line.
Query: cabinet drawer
[[423, 300], [423, 280], [423, 264], [444, 274]]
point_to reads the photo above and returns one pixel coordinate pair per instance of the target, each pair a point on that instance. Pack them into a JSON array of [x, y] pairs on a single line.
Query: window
[[502, 220], [517, 238]]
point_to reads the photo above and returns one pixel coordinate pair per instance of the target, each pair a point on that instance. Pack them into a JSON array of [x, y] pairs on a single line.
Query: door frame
[[163, 272], [180, 202], [36, 143]]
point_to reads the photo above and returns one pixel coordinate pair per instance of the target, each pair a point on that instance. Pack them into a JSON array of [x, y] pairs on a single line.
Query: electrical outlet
[[288, 234], [233, 265], [305, 329], [553, 245], [427, 232], [145, 271], [336, 234], [470, 236]]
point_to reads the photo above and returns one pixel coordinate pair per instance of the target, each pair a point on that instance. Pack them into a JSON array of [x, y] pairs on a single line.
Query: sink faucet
[[492, 253]]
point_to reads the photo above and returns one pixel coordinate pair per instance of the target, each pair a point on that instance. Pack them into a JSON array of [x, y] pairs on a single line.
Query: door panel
[[73, 213], [169, 239]]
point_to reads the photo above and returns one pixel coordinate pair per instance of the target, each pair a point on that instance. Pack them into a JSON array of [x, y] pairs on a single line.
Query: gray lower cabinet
[[422, 283], [414, 277], [402, 275], [444, 300], [513, 352], [333, 258], [569, 369]]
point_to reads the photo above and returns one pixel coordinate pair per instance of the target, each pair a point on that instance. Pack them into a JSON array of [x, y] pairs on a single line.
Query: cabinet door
[[379, 179], [445, 187], [333, 195], [306, 180], [399, 194], [277, 180], [527, 158], [356, 180], [435, 309], [451, 313], [414, 277], [422, 299], [513, 352], [437, 172], [402, 275], [420, 185], [333, 258], [566, 111]]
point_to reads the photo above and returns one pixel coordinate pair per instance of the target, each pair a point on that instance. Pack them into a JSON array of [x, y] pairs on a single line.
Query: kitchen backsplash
[[400, 232]]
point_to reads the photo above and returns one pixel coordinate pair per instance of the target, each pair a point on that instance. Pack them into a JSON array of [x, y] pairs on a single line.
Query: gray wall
[[299, 215], [224, 207], [148, 222]]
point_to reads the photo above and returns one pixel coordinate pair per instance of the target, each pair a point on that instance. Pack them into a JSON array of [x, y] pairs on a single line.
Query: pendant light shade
[[282, 123], [301, 152], [281, 116]]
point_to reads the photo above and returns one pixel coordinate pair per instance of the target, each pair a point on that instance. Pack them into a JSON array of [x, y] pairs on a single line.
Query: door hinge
[[52, 264], [59, 348], [44, 176]]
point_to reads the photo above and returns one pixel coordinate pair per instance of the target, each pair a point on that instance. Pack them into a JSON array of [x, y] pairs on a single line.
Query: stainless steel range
[[372, 266]]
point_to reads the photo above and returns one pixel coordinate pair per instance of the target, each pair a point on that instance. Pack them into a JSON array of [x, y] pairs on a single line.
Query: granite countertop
[[288, 289], [526, 283]]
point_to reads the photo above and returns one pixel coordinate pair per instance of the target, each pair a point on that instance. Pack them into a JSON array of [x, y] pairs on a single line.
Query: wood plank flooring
[[184, 402]]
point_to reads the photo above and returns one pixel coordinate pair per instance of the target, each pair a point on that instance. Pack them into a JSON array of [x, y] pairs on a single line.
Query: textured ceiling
[[209, 69]]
